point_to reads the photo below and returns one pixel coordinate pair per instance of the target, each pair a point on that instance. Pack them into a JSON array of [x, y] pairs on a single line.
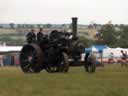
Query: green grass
[[111, 80]]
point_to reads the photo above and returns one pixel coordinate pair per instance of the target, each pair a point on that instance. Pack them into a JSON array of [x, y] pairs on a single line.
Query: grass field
[[112, 80]]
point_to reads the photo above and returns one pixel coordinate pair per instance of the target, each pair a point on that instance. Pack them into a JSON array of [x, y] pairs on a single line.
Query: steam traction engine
[[54, 53]]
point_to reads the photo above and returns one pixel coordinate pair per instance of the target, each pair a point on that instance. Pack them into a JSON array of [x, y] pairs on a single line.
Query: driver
[[31, 37], [40, 35]]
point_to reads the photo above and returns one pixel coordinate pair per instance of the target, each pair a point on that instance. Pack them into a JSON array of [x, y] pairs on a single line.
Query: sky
[[61, 11]]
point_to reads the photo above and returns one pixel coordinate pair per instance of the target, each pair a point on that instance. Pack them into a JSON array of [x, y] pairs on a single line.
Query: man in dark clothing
[[31, 37], [124, 57], [40, 35]]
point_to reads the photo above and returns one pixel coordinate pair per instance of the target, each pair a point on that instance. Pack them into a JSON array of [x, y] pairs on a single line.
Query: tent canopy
[[90, 49], [96, 48], [100, 48], [10, 48], [116, 52]]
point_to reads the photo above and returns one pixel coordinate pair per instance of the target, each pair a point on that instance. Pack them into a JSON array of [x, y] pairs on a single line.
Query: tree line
[[113, 36]]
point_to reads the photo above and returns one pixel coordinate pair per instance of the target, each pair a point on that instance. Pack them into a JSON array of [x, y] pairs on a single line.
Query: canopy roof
[[96, 48], [10, 48]]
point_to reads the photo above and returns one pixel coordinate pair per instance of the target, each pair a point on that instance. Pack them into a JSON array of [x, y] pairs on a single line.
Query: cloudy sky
[[61, 11]]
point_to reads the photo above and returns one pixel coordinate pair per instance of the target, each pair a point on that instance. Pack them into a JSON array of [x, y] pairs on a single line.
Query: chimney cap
[[74, 17]]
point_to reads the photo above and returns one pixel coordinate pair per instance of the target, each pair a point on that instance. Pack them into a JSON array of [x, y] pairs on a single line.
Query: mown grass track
[[111, 80]]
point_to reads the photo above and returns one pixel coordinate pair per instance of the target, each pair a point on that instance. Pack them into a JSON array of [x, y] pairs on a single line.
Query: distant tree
[[47, 25], [23, 25], [12, 25], [18, 26], [38, 25], [123, 40], [70, 26], [122, 25], [87, 42], [63, 26], [26, 25], [1, 26], [107, 35], [31, 26], [116, 25], [90, 26]]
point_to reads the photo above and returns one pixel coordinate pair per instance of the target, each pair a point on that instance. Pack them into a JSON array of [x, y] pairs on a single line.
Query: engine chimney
[[74, 27]]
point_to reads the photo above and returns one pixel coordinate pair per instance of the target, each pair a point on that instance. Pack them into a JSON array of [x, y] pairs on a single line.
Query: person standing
[[111, 58], [40, 35], [31, 37], [123, 54], [123, 57], [126, 54]]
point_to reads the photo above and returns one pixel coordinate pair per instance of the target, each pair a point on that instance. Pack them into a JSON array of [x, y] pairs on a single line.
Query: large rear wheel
[[31, 58]]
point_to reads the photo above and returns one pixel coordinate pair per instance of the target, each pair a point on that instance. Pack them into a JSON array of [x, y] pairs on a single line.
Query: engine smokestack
[[74, 27]]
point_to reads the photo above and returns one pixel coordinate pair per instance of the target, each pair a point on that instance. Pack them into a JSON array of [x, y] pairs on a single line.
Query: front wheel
[[90, 63], [64, 63]]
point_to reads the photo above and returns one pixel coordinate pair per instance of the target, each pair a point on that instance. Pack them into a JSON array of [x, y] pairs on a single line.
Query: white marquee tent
[[10, 49], [116, 52]]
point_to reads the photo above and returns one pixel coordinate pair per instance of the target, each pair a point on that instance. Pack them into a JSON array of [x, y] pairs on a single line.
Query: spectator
[[111, 58], [40, 35], [31, 37], [123, 57], [126, 54]]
